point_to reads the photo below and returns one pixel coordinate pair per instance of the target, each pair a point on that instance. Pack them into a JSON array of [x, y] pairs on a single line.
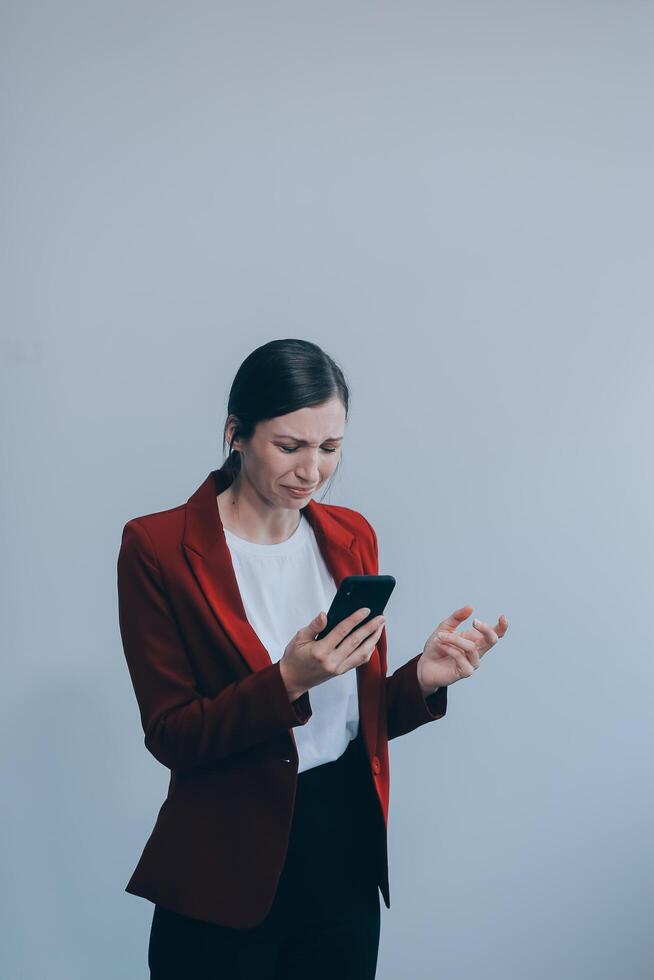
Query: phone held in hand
[[356, 592]]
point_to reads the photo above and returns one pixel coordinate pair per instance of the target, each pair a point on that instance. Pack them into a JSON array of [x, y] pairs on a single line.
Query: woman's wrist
[[426, 691], [292, 691]]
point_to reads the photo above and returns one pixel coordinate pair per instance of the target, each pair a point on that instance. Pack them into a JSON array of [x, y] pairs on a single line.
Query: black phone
[[355, 592]]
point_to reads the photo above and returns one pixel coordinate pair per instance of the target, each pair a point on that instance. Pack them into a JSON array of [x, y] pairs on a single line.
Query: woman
[[269, 850]]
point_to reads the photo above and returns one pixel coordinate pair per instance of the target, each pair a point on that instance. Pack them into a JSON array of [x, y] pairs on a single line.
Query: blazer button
[[286, 760], [376, 764]]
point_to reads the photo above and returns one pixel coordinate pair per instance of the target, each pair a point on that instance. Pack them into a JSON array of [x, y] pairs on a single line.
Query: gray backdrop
[[454, 199]]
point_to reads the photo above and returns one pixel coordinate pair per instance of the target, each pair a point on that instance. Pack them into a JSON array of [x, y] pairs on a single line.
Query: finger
[[487, 631], [457, 617], [340, 631], [460, 657], [363, 652], [352, 641], [468, 645]]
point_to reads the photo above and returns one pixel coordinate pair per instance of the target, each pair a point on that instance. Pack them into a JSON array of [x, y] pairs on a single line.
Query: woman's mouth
[[298, 491]]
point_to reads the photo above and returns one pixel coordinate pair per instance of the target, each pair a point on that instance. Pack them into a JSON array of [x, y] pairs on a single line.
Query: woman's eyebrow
[[303, 442]]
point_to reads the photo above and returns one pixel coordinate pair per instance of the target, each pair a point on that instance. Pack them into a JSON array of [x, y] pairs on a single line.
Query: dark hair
[[279, 377]]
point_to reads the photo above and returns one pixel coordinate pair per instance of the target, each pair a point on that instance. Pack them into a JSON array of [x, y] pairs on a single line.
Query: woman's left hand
[[449, 656]]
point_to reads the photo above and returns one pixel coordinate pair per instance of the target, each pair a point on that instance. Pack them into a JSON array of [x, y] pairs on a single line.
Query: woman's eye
[[293, 449]]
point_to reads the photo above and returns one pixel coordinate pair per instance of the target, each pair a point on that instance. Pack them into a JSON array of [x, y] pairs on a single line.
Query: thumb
[[316, 623]]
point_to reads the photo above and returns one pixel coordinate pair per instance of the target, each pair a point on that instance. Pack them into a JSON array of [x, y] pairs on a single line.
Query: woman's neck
[[251, 519]]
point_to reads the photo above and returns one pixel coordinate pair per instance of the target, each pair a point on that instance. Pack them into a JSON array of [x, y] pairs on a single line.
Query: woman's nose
[[309, 475]]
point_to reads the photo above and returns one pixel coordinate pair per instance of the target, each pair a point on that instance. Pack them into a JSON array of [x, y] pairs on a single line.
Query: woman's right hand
[[307, 662]]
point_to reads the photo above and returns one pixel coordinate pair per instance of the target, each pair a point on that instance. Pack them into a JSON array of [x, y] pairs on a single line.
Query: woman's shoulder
[[155, 530], [351, 520]]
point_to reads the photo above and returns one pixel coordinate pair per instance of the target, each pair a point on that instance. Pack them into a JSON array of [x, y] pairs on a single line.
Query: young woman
[[269, 851]]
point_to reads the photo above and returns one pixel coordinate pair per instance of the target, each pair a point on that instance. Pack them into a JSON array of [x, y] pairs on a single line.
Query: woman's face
[[301, 449]]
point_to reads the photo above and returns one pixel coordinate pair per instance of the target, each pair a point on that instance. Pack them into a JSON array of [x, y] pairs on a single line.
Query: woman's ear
[[231, 427]]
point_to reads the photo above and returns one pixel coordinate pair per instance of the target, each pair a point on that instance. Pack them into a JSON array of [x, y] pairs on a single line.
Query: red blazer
[[215, 710]]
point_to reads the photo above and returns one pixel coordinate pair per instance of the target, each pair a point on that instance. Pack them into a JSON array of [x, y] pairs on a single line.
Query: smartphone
[[355, 592]]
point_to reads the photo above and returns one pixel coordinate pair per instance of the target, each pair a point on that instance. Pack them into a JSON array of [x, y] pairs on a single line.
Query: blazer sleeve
[[184, 730], [406, 706]]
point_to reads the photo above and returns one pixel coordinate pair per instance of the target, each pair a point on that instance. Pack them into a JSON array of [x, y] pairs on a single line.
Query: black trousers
[[325, 918]]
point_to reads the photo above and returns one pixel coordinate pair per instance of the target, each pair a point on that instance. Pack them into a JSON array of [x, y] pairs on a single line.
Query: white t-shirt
[[283, 587]]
